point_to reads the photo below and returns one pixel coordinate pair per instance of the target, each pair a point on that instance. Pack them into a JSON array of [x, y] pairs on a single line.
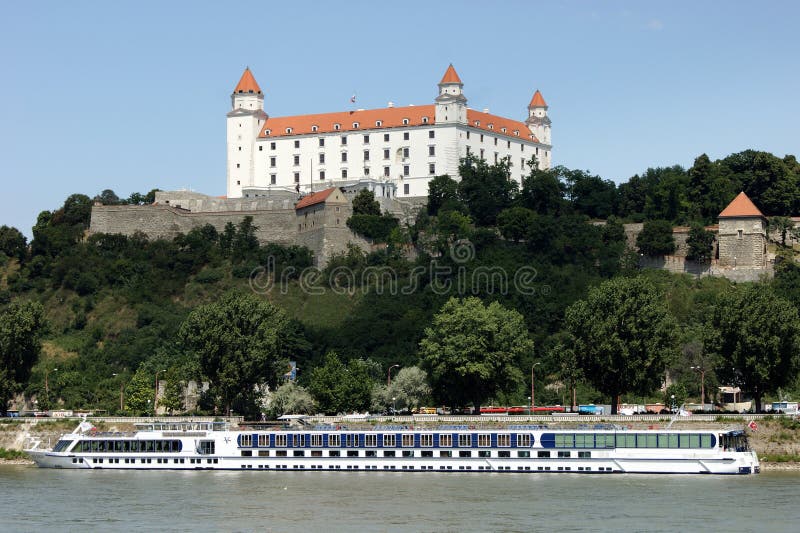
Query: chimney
[[390, 104]]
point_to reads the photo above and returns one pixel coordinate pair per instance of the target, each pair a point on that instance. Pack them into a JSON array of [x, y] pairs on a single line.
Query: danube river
[[58, 500]]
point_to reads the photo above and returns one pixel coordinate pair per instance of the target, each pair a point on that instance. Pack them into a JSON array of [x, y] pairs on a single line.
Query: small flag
[[684, 412], [353, 99], [752, 425]]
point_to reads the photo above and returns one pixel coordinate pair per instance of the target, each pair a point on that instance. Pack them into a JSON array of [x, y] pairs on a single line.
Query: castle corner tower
[[451, 104], [742, 235], [538, 121], [245, 121]]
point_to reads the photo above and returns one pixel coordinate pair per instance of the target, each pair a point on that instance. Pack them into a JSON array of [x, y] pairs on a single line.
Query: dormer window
[[337, 126], [378, 123], [355, 125], [516, 132], [288, 130], [477, 122], [314, 128], [503, 130], [405, 122], [267, 132], [491, 126], [424, 120]]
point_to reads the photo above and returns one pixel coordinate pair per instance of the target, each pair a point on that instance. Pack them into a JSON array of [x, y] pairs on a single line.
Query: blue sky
[[133, 95]]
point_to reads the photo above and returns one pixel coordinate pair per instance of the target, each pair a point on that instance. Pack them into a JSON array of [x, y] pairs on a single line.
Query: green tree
[[239, 341], [291, 398], [700, 244], [107, 197], [140, 392], [339, 388], [515, 223], [442, 193], [756, 334], [365, 203], [472, 351], [656, 238], [409, 390], [13, 243], [485, 189], [21, 328], [624, 337], [542, 191], [781, 225]]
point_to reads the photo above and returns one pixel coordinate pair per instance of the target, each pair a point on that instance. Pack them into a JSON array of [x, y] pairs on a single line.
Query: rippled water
[[38, 500]]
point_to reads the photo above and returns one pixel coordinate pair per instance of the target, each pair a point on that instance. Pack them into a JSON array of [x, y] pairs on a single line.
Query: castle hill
[[411, 261]]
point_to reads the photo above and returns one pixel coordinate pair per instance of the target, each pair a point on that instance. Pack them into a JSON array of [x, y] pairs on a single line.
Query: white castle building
[[396, 149]]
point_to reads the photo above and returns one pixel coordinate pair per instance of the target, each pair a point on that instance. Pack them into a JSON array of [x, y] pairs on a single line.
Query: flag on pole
[[752, 425], [684, 412]]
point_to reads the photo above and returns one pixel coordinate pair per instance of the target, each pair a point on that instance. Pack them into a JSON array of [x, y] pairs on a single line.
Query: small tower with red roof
[[742, 235], [451, 104], [244, 124], [538, 121]]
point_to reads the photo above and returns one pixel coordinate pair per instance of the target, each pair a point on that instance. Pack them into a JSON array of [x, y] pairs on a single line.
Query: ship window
[[504, 440], [280, 440], [706, 442], [604, 440], [371, 453], [465, 453], [206, 447], [261, 453], [585, 455], [504, 453], [334, 453], [389, 441], [280, 453], [582, 440], [247, 453], [427, 453], [263, 441], [408, 453], [316, 441], [426, 440], [352, 453], [245, 441], [524, 440], [484, 440], [464, 440], [371, 441], [694, 441], [334, 441], [389, 453], [565, 454], [484, 453], [543, 454], [445, 453], [524, 454], [408, 441], [445, 440], [299, 453], [650, 441], [352, 440], [299, 440]]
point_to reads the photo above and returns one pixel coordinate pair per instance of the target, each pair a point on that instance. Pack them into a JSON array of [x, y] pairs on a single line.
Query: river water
[[38, 500]]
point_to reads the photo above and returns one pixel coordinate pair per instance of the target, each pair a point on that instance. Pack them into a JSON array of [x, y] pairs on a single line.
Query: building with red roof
[[399, 148], [742, 235]]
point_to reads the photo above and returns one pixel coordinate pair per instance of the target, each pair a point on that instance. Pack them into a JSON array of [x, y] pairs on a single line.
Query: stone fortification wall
[[742, 242], [165, 221], [197, 202]]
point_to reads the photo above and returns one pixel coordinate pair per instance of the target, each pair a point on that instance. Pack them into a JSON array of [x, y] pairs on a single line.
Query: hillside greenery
[[495, 269]]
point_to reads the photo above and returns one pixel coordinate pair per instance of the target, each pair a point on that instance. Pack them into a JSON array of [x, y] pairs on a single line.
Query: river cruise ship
[[601, 449]]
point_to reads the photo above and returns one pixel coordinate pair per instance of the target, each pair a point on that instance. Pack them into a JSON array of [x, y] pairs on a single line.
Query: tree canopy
[[656, 238], [21, 328]]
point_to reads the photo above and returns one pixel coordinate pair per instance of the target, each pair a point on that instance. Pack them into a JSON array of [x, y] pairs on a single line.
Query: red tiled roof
[[450, 75], [247, 83], [741, 206], [315, 198], [537, 100], [389, 117]]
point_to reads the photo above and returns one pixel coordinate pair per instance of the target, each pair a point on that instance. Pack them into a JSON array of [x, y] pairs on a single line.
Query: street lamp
[[121, 393], [530, 406], [389, 375], [155, 403], [533, 395], [702, 385], [46, 383], [394, 405]]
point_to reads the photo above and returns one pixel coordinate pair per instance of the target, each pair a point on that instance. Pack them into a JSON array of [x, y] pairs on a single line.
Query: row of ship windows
[[143, 460], [390, 440], [428, 467], [129, 446], [501, 454], [628, 440]]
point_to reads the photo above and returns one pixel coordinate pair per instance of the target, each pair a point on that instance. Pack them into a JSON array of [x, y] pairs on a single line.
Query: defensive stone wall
[[742, 242]]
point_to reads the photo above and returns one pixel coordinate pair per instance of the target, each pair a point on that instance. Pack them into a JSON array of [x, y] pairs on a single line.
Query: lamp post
[[533, 395], [121, 393], [155, 402], [702, 385], [394, 406], [46, 383], [389, 375], [530, 406]]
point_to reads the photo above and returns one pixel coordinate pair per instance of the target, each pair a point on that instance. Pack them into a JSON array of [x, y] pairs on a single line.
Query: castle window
[[481, 137], [467, 135], [495, 141], [366, 155], [406, 170], [385, 172], [322, 175], [355, 125], [321, 159], [314, 128], [522, 162], [386, 137], [272, 145], [273, 179], [344, 157], [366, 139], [344, 173], [481, 153], [405, 136], [297, 144], [297, 177], [431, 134], [405, 122], [237, 183], [260, 148], [296, 160], [321, 141], [424, 120], [344, 140], [237, 165], [272, 161], [405, 152], [378, 123], [386, 153], [508, 144], [405, 188], [337, 127], [740, 233], [366, 171], [240, 148], [495, 158], [431, 150], [432, 168]]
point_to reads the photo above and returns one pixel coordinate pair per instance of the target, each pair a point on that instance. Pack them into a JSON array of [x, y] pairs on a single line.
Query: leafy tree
[[656, 238], [624, 337], [339, 388], [77, 209], [485, 189], [239, 341], [782, 225], [21, 327], [515, 223], [245, 242], [757, 336], [409, 390], [365, 203], [589, 195], [700, 244], [542, 191], [291, 398], [107, 197], [140, 392], [472, 351], [13, 243], [442, 193], [377, 228]]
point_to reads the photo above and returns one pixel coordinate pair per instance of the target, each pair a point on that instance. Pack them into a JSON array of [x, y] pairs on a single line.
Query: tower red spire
[[247, 84]]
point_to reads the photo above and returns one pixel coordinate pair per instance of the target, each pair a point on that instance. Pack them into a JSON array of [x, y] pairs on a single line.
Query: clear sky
[[132, 95]]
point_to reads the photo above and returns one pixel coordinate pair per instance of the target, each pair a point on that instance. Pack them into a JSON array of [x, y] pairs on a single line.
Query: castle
[[295, 175]]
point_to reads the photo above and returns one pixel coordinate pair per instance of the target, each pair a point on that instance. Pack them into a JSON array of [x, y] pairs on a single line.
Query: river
[[62, 500]]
